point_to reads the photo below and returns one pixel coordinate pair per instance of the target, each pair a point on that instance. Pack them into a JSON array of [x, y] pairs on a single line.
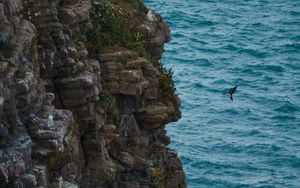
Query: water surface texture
[[253, 141]]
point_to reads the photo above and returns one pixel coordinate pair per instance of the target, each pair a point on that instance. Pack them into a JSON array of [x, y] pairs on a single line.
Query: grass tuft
[[166, 87], [105, 99]]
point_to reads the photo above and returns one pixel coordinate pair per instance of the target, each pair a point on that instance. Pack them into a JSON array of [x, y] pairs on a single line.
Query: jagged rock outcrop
[[69, 119]]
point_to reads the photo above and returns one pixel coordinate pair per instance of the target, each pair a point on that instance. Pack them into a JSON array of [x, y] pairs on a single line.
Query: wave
[[268, 68], [287, 107], [291, 47], [283, 118], [255, 53]]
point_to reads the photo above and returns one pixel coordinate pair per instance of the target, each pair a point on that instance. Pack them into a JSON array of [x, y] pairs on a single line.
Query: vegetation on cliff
[[166, 87], [112, 29]]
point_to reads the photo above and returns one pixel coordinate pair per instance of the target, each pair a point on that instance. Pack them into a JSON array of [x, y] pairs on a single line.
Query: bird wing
[[232, 90]]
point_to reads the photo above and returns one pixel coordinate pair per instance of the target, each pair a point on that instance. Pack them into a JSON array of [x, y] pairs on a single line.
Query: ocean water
[[253, 141]]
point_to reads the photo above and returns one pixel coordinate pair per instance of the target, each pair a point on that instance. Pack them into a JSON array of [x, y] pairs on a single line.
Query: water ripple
[[254, 141]]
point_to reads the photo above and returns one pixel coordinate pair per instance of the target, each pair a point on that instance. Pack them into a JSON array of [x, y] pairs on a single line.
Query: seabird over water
[[231, 91]]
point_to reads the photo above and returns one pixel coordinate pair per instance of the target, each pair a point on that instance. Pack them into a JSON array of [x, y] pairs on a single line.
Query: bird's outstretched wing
[[232, 90]]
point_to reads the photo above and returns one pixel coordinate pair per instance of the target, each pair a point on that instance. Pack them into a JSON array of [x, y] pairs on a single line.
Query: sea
[[254, 140]]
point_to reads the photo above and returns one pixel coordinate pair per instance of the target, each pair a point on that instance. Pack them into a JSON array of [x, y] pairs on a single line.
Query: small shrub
[[55, 159], [105, 99], [122, 59], [29, 12], [157, 171], [166, 87], [156, 176], [72, 130]]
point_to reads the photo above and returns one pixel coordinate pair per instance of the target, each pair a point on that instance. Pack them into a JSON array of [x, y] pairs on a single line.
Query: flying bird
[[231, 92]]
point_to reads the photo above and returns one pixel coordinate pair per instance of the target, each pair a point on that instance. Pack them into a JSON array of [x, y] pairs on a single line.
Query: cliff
[[84, 99]]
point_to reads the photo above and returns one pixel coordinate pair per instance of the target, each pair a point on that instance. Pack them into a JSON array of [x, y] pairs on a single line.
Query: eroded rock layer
[[69, 119]]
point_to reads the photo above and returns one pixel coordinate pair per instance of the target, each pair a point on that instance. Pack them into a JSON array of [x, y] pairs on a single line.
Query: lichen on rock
[[83, 99]]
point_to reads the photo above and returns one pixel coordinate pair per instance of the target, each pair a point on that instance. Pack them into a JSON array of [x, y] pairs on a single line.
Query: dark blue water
[[255, 44]]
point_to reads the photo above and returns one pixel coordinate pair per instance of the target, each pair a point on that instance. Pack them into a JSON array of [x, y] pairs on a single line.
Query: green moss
[[73, 130], [7, 49], [122, 59], [34, 44], [55, 159], [105, 99], [112, 26]]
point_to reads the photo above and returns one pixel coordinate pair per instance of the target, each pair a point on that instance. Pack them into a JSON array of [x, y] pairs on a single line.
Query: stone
[[41, 134], [133, 76], [70, 172], [151, 93], [1, 106], [3, 18], [22, 86], [150, 71], [4, 175], [110, 137], [29, 180], [67, 184], [138, 62], [71, 2], [3, 68], [82, 80], [14, 6], [127, 160], [130, 89], [153, 116], [109, 128], [51, 80], [107, 57]]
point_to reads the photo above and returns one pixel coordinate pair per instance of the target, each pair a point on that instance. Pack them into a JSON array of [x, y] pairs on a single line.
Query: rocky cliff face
[[72, 117]]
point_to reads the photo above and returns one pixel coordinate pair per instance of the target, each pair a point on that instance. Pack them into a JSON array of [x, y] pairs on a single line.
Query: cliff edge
[[84, 99]]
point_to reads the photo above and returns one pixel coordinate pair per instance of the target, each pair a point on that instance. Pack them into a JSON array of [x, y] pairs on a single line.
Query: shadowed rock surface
[[73, 120]]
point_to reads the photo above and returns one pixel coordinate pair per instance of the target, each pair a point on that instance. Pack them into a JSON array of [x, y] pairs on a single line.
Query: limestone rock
[[72, 119], [153, 116]]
